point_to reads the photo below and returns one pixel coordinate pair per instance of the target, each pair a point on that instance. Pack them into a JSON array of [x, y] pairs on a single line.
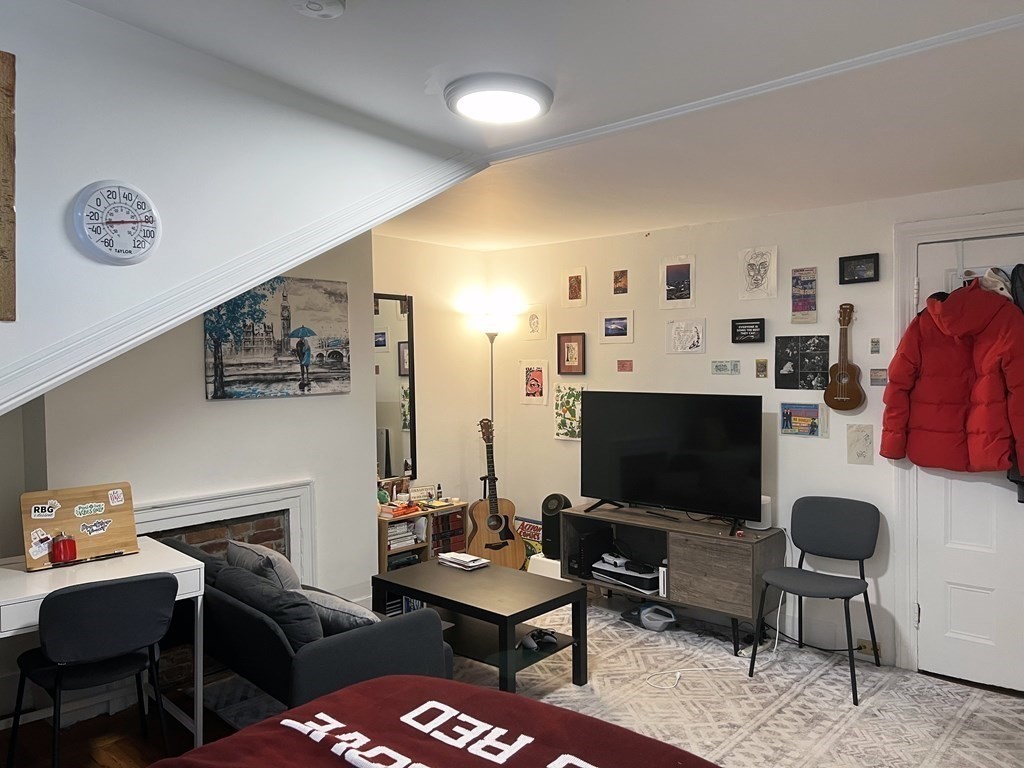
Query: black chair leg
[[56, 723], [849, 650], [871, 629], [800, 621], [758, 628], [154, 679], [14, 721], [141, 697]]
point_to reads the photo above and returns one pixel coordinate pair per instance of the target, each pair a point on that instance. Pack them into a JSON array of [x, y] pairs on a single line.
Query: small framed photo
[[571, 354], [858, 269], [381, 340], [403, 358], [617, 327]]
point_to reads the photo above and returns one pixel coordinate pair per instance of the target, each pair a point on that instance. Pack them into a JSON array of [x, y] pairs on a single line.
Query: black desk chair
[[95, 634], [843, 529]]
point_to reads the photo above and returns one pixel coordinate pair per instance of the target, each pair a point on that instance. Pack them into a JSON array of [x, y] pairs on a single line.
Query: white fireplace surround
[[296, 498]]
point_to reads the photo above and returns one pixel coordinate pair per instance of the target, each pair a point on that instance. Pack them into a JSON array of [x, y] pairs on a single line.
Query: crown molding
[[51, 366]]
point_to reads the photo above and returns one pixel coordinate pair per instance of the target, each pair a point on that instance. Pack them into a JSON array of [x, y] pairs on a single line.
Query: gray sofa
[[255, 646]]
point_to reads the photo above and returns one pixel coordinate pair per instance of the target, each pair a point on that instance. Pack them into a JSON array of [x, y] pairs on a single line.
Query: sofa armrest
[[410, 644]]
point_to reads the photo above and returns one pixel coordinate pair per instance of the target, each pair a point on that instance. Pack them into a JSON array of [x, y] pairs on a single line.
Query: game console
[[645, 579]]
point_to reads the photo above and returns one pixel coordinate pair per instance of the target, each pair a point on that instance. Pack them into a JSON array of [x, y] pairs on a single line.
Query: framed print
[[748, 331], [758, 268], [568, 411], [536, 323], [286, 337], [381, 340], [533, 382], [571, 354], [685, 337], [804, 295], [677, 274], [801, 362], [7, 292], [403, 358], [858, 269], [804, 419], [574, 287], [620, 282], [617, 327]]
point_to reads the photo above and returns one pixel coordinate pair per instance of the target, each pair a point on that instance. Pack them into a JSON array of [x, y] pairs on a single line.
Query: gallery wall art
[[286, 337], [801, 362], [677, 282], [616, 327], [535, 327], [573, 289], [757, 271], [533, 382], [568, 411], [685, 337]]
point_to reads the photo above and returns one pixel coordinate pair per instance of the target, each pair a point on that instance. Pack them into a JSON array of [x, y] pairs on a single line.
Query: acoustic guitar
[[493, 536], [844, 392]]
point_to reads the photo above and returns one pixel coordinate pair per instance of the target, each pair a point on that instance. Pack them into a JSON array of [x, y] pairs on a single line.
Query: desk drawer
[[18, 616], [190, 582]]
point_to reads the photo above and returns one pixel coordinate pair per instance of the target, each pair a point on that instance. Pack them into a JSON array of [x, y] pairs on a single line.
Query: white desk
[[21, 594]]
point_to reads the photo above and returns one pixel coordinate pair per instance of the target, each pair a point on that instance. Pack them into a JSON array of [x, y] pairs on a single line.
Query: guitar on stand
[[844, 392], [493, 536]]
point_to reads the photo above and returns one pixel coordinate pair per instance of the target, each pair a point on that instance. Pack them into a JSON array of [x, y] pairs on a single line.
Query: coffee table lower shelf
[[478, 640]]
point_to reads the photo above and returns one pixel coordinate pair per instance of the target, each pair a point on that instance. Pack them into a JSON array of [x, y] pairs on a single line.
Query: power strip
[[763, 648]]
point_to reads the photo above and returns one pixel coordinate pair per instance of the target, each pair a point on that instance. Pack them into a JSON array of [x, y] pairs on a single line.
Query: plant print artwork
[[568, 411]]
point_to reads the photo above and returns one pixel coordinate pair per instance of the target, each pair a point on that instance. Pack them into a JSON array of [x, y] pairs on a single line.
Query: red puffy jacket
[[955, 397]]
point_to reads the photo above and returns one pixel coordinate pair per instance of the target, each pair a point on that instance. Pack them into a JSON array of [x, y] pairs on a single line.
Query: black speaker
[[551, 525]]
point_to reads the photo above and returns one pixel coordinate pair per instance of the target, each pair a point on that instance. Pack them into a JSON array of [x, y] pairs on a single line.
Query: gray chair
[[95, 634], [826, 526]]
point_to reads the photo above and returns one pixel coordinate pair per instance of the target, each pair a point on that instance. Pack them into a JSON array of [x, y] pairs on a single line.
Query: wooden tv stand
[[706, 568]]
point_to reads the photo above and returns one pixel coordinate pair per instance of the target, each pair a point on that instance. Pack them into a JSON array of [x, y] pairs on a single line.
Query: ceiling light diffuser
[[498, 98], [318, 9]]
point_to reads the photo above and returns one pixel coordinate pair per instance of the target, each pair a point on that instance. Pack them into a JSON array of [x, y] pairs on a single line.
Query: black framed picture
[[571, 354], [403, 358], [748, 331], [858, 269]]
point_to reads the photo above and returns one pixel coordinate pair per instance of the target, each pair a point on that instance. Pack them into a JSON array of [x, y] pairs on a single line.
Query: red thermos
[[63, 549]]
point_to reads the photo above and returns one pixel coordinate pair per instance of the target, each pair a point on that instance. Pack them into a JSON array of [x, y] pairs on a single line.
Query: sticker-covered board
[[100, 518]]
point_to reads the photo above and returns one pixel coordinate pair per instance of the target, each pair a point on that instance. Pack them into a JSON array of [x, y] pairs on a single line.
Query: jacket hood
[[966, 311]]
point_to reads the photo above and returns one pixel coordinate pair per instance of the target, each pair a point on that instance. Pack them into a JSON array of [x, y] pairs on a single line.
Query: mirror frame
[[412, 376]]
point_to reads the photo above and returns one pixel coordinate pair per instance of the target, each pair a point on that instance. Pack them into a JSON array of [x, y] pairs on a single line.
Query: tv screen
[[697, 453]]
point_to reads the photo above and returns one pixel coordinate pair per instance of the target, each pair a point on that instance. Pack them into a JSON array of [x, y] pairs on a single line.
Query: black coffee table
[[488, 607]]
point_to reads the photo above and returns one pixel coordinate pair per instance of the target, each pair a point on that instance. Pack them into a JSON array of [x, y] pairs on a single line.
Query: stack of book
[[448, 534], [401, 534], [462, 560]]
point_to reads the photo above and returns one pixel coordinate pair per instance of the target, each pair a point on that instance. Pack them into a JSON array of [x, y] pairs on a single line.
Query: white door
[[970, 530]]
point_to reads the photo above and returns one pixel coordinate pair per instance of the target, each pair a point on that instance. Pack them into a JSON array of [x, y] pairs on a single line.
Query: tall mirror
[[395, 366]]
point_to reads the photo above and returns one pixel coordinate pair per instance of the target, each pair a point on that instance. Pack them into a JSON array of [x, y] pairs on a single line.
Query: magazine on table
[[462, 560]]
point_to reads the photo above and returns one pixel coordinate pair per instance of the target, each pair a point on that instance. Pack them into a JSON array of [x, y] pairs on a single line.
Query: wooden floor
[[107, 741]]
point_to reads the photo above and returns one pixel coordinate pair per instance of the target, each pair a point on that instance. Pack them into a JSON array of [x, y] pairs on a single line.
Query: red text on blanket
[[464, 732]]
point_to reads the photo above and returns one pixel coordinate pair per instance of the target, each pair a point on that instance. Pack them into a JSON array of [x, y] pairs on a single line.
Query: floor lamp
[[492, 335]]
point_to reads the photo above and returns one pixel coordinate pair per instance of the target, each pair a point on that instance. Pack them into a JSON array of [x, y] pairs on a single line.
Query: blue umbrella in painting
[[302, 332]]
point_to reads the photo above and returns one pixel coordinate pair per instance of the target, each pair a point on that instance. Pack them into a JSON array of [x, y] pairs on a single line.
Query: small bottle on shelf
[[438, 495]]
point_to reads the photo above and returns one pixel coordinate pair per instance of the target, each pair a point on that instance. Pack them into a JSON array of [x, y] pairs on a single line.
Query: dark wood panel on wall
[[7, 294]]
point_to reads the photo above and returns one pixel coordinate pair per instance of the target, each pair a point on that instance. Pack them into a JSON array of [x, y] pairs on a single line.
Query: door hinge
[[917, 618]]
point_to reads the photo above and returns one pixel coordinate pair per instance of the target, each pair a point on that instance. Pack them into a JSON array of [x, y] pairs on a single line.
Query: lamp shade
[[498, 98]]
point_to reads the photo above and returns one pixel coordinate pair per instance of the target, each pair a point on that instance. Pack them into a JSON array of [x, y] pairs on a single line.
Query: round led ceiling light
[[498, 98], [318, 9]]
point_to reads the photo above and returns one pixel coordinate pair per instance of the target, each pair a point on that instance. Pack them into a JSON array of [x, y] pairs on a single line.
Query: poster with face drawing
[[758, 272], [536, 323], [533, 382]]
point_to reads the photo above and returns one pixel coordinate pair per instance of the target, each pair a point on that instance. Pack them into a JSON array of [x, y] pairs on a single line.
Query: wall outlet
[[865, 647]]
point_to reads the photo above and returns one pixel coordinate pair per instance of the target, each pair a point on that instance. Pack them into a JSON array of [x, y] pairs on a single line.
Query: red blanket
[[422, 722]]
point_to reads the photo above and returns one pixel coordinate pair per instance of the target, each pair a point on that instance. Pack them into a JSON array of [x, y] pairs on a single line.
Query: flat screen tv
[[697, 453]]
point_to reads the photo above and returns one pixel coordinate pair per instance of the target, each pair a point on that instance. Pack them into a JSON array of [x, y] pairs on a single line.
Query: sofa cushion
[[290, 610], [265, 562], [338, 614], [211, 563]]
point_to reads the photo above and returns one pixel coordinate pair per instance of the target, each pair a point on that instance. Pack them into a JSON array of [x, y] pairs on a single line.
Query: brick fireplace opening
[[279, 517]]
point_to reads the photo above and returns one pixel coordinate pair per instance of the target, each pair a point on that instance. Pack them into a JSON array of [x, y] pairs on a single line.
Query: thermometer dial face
[[116, 222]]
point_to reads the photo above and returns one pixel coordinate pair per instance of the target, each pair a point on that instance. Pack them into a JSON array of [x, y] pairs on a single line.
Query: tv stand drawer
[[708, 573]]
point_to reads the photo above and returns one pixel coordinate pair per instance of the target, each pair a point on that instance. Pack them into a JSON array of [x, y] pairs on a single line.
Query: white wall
[[531, 464], [451, 358], [251, 178], [144, 417]]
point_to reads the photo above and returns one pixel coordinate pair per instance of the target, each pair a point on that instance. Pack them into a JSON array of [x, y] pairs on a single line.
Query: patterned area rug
[[795, 712]]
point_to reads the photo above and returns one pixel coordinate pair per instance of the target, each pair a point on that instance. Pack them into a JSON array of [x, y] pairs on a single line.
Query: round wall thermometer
[[116, 222]]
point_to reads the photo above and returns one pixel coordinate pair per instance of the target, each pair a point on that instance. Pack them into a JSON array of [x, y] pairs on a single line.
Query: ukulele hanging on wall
[[844, 392]]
